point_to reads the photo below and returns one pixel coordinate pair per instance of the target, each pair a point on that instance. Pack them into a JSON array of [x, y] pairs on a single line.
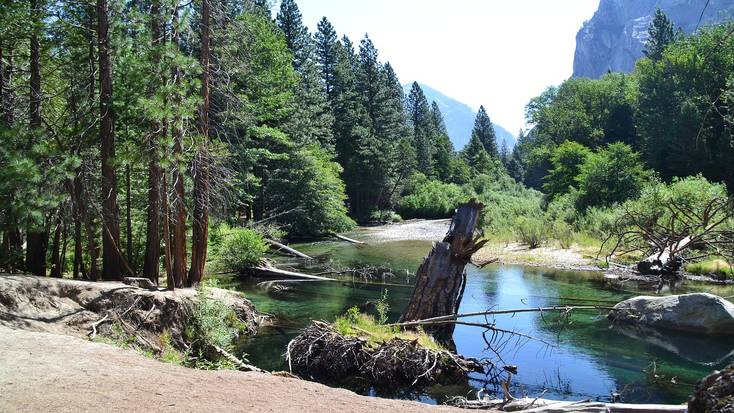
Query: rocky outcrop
[[615, 37], [695, 313]]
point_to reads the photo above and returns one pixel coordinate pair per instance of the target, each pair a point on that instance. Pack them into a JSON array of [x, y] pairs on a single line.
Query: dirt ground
[[41, 372]]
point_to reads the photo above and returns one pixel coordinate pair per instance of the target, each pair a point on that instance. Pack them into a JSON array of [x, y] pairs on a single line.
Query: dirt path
[[42, 372]]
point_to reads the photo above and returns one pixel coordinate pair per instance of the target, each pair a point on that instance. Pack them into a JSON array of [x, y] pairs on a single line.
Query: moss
[[356, 324]]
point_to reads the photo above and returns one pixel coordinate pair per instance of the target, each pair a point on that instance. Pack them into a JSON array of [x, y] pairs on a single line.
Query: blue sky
[[496, 53]]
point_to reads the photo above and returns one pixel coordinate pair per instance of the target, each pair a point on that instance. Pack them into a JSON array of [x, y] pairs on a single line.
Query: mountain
[[459, 118], [615, 36]]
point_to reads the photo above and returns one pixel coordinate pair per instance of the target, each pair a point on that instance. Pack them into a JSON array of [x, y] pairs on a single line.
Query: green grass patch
[[357, 324], [716, 266]]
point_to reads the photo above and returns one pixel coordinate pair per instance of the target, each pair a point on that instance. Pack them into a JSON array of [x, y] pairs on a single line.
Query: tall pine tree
[[484, 131], [419, 118]]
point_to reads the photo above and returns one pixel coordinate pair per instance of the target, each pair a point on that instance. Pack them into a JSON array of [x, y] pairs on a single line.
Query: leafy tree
[[682, 107], [566, 159], [484, 131], [611, 175]]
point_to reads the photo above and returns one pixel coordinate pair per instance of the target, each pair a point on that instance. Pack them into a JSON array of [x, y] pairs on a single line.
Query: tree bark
[[167, 261], [37, 239], [178, 246], [200, 232], [440, 280], [153, 231], [128, 217], [111, 260], [56, 247]]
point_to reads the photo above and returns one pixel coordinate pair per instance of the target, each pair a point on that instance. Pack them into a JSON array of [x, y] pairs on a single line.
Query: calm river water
[[578, 358]]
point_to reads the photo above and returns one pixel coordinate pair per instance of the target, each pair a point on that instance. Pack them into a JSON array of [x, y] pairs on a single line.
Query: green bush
[[240, 248], [563, 233], [213, 323], [431, 199], [385, 216], [532, 231]]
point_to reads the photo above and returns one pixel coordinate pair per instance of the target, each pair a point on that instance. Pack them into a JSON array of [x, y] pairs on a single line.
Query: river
[[574, 358]]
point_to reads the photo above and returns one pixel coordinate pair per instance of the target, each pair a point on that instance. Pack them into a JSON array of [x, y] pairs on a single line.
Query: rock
[[714, 393], [140, 283], [615, 37], [695, 313]]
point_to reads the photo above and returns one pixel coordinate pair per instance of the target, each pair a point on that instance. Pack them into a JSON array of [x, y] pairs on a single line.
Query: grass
[[716, 266], [357, 324]]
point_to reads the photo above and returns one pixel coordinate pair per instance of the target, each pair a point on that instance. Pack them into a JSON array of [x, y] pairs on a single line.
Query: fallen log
[[538, 405], [343, 238], [289, 250], [267, 270]]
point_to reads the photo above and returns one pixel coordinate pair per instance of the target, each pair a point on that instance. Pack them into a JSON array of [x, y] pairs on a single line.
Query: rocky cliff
[[615, 36]]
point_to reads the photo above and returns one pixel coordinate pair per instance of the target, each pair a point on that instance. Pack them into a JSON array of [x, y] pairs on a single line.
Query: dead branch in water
[[447, 319], [286, 249]]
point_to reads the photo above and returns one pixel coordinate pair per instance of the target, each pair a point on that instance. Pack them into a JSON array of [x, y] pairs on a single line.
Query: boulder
[[700, 313]]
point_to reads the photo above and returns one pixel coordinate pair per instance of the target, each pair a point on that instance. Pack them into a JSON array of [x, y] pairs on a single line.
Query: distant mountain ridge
[[459, 118], [615, 37]]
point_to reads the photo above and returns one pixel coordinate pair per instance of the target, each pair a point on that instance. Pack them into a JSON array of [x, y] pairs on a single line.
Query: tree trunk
[[440, 280], [167, 261], [666, 261], [111, 260], [128, 217], [36, 241], [56, 248], [178, 247], [153, 231], [200, 234]]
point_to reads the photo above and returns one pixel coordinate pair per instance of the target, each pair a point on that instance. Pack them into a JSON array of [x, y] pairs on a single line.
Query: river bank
[[51, 372]]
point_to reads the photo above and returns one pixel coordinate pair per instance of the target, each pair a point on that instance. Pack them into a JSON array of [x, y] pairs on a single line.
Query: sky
[[496, 53]]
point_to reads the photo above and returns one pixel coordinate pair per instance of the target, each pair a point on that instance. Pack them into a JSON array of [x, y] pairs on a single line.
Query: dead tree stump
[[441, 278]]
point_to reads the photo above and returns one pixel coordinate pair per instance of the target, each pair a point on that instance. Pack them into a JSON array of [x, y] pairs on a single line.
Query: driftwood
[[538, 405], [267, 270], [286, 249], [343, 238], [440, 280]]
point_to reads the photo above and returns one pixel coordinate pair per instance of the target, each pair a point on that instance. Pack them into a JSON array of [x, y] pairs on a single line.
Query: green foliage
[[354, 323], [484, 132], [213, 323], [240, 249], [611, 175], [382, 307], [385, 216], [431, 199], [532, 231], [567, 160], [660, 34]]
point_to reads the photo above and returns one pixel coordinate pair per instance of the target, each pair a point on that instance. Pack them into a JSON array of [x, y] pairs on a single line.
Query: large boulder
[[696, 313]]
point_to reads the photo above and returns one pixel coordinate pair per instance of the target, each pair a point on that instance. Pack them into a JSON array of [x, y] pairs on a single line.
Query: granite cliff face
[[615, 37]]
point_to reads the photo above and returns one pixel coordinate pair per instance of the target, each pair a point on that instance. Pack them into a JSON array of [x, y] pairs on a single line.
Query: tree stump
[[441, 278]]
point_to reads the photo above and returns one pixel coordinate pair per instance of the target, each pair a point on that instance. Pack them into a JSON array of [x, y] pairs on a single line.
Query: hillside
[[459, 118], [615, 36]]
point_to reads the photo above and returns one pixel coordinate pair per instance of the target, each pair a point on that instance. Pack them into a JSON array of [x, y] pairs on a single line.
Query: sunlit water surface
[[581, 357]]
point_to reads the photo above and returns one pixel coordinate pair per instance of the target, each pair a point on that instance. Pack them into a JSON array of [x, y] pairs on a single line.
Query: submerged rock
[[714, 393], [695, 313]]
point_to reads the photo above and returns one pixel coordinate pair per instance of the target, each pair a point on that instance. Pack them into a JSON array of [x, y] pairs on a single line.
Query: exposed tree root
[[323, 354]]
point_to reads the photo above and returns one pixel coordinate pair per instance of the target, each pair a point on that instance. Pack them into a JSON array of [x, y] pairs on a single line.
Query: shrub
[[381, 215], [213, 323], [532, 231], [563, 233], [432, 199], [241, 248]]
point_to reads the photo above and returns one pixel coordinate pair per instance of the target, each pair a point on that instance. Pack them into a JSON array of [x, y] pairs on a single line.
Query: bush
[[431, 199], [532, 231], [213, 323], [385, 216], [240, 249], [563, 233]]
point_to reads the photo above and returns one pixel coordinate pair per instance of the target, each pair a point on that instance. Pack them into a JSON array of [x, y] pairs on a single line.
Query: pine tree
[[325, 41], [419, 118], [504, 152], [661, 33], [484, 131], [290, 21], [443, 148]]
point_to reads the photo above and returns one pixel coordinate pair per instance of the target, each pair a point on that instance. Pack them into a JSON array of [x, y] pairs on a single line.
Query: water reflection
[[575, 357]]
